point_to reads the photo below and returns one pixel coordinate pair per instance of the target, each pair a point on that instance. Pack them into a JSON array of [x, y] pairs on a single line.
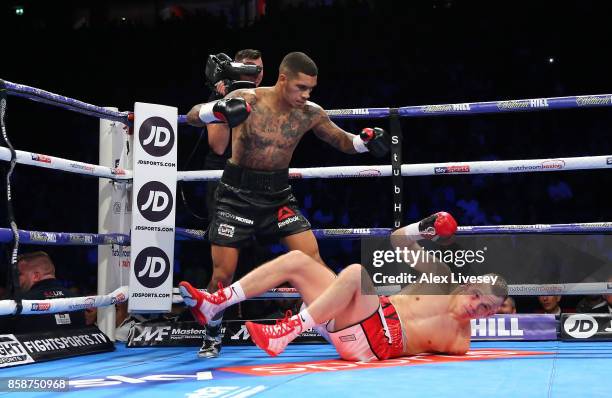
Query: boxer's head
[[480, 300], [297, 77]]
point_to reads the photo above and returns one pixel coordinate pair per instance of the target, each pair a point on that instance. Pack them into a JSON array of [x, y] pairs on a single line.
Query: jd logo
[[152, 267], [156, 136], [580, 326], [154, 201]]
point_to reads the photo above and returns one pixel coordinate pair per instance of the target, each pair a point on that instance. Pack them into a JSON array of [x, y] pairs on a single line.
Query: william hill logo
[[446, 108]]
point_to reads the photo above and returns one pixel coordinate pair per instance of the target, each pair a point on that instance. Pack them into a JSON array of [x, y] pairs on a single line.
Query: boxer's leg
[[343, 301], [305, 242]]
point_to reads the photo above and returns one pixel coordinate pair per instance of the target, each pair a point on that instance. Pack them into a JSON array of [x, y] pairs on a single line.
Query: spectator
[[550, 305], [37, 282], [596, 304], [591, 303], [508, 306]]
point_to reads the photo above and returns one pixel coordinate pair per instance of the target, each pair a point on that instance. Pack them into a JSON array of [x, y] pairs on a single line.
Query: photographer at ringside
[[219, 134], [224, 75]]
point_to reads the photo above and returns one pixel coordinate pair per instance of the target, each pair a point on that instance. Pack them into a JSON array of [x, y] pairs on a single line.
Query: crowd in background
[[370, 54]]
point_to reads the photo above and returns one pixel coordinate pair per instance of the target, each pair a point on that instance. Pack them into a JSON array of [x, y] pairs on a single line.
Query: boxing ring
[[532, 369]]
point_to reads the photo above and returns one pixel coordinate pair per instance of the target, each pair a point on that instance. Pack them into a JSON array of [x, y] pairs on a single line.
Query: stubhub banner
[[529, 327], [153, 209]]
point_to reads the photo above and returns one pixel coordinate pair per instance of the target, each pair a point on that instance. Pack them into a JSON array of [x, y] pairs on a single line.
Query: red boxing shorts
[[377, 337]]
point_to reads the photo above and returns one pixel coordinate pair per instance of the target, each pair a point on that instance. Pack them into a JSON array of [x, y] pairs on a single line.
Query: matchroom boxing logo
[[152, 267], [154, 201], [156, 136]]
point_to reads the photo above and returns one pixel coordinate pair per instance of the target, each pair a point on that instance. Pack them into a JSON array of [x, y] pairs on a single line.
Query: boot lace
[[282, 327]]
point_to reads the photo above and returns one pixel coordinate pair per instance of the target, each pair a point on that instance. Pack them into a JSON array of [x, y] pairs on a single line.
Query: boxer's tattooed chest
[[268, 138]]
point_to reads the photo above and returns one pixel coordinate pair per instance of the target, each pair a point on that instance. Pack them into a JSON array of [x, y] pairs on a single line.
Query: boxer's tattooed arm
[[329, 132]]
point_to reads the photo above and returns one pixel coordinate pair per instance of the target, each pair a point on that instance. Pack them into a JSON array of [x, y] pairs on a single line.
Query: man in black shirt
[[37, 282], [219, 136], [220, 150]]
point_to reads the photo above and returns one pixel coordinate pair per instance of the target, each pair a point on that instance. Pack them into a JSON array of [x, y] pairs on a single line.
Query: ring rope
[[520, 105], [67, 165], [120, 295], [431, 169], [185, 234], [562, 289], [474, 108], [408, 170], [69, 304], [38, 95]]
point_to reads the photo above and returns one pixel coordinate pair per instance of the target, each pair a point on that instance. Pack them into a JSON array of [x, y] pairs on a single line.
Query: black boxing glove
[[232, 111], [374, 140]]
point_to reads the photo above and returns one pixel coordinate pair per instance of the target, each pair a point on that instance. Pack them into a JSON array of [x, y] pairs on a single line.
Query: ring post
[[113, 217]]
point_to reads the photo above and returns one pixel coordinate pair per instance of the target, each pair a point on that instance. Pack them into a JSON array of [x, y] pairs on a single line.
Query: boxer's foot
[[274, 338], [202, 305], [211, 345]]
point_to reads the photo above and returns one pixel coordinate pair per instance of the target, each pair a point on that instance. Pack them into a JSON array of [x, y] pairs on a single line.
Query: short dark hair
[[33, 255], [37, 259], [297, 62], [247, 53]]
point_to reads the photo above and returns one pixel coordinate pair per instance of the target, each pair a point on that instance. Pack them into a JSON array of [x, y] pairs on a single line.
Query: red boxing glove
[[439, 227], [374, 140]]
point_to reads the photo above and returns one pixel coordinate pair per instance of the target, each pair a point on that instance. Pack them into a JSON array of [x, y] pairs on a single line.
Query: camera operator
[[219, 138], [224, 76]]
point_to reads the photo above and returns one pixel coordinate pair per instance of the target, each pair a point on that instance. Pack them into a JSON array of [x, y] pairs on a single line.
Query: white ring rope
[[69, 304], [426, 169], [67, 165], [423, 169], [120, 295], [558, 289]]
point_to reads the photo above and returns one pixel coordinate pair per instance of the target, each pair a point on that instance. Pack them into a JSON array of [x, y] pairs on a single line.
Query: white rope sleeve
[[8, 307]]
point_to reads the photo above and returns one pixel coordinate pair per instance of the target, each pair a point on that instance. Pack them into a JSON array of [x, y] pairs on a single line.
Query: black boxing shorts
[[253, 203]]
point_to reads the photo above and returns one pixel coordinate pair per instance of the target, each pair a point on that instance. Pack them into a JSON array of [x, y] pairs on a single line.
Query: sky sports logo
[[40, 307], [452, 169]]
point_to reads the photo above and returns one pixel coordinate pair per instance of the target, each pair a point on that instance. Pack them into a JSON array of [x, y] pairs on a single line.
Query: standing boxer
[[254, 198]]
